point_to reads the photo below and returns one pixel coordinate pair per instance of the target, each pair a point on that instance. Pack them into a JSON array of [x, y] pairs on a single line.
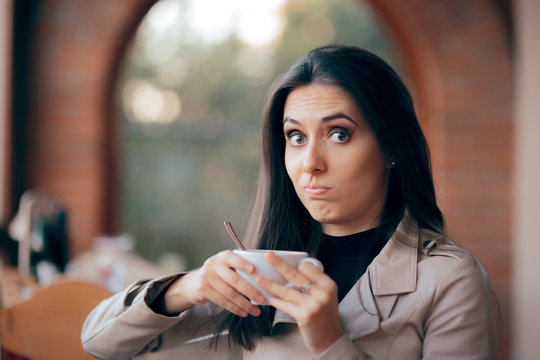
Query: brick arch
[[419, 60], [76, 49], [459, 59], [126, 33]]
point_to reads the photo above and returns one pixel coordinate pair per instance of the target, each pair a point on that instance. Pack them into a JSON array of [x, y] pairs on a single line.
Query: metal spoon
[[231, 232]]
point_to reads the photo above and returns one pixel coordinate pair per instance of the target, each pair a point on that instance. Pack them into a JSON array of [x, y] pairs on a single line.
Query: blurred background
[[129, 129]]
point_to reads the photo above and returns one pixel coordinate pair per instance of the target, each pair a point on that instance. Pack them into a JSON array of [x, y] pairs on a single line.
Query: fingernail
[[256, 311], [250, 268], [259, 299], [243, 313]]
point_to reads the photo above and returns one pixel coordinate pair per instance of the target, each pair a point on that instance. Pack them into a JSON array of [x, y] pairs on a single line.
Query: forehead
[[320, 98]]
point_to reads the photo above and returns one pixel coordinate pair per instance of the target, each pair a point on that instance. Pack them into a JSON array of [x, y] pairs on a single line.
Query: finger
[[234, 261], [238, 283], [229, 284], [215, 276], [312, 272], [226, 304], [305, 313], [222, 264], [323, 282], [288, 307], [291, 274], [234, 297], [287, 293]]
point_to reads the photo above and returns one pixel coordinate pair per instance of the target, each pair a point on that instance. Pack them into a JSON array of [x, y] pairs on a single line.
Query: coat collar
[[392, 272]]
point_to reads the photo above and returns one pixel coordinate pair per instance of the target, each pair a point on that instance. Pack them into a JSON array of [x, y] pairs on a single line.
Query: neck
[[347, 229]]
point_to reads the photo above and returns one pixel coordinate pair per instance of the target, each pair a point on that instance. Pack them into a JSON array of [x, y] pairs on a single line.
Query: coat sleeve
[[460, 323], [344, 349], [124, 325]]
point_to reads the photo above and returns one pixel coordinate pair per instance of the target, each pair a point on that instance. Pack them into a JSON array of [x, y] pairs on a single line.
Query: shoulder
[[459, 305], [443, 262]]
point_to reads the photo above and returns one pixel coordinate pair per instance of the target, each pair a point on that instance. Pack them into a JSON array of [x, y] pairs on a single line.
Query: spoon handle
[[231, 232]]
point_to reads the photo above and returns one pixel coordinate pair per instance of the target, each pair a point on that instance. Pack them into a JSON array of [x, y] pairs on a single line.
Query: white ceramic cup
[[264, 269]]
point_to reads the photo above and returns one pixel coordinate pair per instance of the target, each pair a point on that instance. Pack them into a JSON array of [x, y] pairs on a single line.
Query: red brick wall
[[76, 49], [457, 53], [459, 59]]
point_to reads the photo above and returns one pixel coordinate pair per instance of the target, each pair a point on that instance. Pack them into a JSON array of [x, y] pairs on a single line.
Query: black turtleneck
[[346, 258]]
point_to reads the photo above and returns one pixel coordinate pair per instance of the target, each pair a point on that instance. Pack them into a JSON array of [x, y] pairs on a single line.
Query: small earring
[[392, 164]]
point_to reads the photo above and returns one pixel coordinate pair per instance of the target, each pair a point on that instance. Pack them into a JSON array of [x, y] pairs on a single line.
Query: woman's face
[[334, 159]]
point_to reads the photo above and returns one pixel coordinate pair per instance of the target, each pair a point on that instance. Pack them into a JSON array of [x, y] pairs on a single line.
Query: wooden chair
[[48, 325]]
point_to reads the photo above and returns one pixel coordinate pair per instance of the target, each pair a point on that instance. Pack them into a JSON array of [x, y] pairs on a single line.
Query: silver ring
[[304, 288]]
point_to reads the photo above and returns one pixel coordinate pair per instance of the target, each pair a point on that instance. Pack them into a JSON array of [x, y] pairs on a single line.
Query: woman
[[345, 176]]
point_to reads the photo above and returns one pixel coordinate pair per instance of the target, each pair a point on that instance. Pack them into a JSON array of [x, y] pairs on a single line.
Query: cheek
[[368, 168], [290, 165], [370, 156]]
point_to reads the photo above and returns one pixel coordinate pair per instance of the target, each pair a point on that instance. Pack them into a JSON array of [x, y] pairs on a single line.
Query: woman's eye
[[296, 139], [340, 136]]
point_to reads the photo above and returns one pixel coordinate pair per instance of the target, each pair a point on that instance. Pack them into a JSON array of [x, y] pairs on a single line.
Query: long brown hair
[[279, 220]]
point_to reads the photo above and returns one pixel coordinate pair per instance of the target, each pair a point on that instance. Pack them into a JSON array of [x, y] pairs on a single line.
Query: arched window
[[191, 92]]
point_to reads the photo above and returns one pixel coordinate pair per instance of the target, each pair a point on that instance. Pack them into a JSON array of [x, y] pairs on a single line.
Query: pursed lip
[[316, 190]]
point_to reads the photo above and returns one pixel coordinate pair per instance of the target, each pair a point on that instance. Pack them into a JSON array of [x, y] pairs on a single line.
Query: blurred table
[[15, 288]]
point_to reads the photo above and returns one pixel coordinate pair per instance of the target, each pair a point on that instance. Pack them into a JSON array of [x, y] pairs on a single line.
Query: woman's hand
[[218, 282], [312, 302]]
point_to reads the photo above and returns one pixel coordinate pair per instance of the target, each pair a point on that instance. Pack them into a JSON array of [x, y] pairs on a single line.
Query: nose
[[314, 161]]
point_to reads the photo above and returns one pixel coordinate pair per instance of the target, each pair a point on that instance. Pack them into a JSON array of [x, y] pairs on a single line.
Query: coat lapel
[[283, 317], [391, 273], [358, 311]]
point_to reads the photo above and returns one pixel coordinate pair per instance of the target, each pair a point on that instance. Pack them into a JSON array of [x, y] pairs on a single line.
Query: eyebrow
[[338, 116], [324, 119]]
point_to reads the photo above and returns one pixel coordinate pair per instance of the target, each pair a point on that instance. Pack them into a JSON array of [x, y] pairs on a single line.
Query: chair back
[[48, 325]]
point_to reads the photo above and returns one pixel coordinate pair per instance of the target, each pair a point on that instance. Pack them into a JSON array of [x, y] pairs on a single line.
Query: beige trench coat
[[429, 299]]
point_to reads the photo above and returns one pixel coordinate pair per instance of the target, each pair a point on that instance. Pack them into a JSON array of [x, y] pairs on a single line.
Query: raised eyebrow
[[291, 120], [324, 119], [338, 116]]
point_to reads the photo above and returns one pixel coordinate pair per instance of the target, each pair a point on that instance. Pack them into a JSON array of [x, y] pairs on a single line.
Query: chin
[[323, 217]]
